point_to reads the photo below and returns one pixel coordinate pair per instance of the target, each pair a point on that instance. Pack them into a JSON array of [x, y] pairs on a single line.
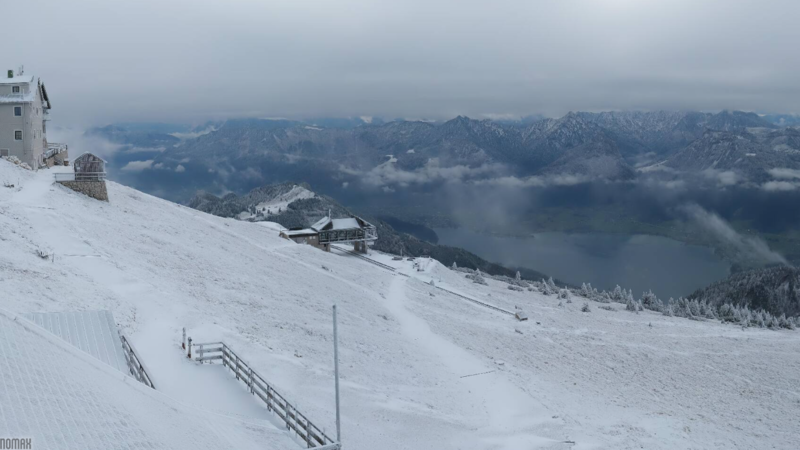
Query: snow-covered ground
[[564, 379]]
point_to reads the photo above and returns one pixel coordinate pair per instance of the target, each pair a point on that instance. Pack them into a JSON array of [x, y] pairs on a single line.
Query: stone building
[[88, 177], [24, 109]]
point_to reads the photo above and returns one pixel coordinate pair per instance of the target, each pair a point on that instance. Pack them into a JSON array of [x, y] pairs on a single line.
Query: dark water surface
[[639, 262]]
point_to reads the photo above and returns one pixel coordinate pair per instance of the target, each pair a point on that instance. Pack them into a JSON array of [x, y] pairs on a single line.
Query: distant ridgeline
[[296, 206], [774, 289]]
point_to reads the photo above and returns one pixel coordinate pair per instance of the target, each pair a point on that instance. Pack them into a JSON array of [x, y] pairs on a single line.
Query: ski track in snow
[[506, 413]]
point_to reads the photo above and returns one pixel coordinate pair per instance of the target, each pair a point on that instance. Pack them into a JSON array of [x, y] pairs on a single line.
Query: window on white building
[[15, 89], [17, 135], [3, 152], [18, 111]]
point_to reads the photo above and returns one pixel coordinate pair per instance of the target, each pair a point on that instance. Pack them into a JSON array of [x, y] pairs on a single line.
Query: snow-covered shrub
[[585, 307], [511, 287], [608, 308], [651, 302], [727, 313], [545, 289], [477, 277], [563, 294], [42, 254], [707, 310]]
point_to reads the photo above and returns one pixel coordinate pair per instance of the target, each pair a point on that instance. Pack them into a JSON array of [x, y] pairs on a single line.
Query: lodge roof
[[349, 223]]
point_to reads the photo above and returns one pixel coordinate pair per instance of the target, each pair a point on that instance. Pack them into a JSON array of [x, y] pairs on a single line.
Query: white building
[[24, 106]]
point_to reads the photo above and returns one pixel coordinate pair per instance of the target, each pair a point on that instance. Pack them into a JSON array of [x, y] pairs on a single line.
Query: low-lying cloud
[[137, 166], [778, 186], [747, 247], [388, 174], [784, 173]]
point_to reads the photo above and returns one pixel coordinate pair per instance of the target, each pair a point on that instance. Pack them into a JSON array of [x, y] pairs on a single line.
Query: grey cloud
[[779, 186], [388, 174], [182, 60], [535, 181], [137, 166], [785, 173], [722, 177], [749, 247]]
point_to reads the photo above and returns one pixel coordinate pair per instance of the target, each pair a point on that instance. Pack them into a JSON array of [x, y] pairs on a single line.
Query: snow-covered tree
[[544, 287], [518, 277], [454, 266], [727, 313], [651, 302], [477, 277], [585, 307], [618, 295]]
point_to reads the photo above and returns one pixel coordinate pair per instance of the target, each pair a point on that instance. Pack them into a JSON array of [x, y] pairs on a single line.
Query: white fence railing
[[83, 176], [54, 148], [291, 417], [135, 364]]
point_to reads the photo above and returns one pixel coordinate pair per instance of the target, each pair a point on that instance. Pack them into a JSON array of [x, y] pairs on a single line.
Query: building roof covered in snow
[[345, 224], [94, 332], [62, 398], [27, 94], [18, 79], [303, 232], [349, 223]]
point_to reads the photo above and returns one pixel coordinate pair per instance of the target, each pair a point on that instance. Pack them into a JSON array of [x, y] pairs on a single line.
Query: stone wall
[[94, 189], [57, 160]]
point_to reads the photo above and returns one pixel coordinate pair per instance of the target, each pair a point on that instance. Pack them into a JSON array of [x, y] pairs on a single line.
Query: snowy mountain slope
[[603, 379], [752, 155]]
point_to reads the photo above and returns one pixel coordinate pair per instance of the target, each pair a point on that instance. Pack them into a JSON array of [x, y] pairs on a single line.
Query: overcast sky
[[193, 60]]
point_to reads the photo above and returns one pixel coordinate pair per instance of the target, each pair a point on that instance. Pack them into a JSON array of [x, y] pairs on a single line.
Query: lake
[[639, 262]]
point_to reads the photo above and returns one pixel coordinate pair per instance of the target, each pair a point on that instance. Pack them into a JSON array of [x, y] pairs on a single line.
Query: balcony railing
[[83, 176], [352, 235], [54, 148]]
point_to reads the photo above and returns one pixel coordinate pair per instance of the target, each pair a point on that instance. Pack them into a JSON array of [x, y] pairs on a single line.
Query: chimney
[[10, 74]]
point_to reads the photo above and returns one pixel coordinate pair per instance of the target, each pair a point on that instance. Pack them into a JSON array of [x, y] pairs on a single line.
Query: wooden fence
[[136, 366], [291, 417]]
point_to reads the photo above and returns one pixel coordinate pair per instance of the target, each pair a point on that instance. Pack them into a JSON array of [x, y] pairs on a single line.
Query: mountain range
[[606, 145]]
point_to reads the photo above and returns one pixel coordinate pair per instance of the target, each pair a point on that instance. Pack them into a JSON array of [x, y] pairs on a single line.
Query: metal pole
[[336, 372]]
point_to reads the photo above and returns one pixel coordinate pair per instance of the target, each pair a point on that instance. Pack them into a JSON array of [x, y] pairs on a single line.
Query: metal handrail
[[135, 364], [294, 420]]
